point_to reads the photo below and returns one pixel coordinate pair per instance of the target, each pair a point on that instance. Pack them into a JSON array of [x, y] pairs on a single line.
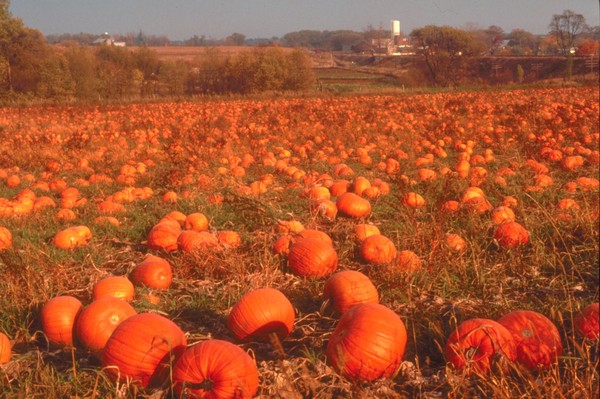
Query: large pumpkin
[[97, 321], [377, 249], [260, 313], [476, 343], [511, 235], [348, 288], [353, 205], [142, 349], [163, 235], [153, 272], [5, 349], [215, 369], [536, 338], [368, 343], [72, 237], [312, 257], [587, 321], [114, 286], [58, 318]]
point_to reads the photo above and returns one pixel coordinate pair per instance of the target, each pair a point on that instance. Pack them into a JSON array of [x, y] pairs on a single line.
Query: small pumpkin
[[72, 237], [368, 343], [353, 205], [196, 221], [413, 200], [142, 349], [312, 257], [260, 313], [5, 349], [97, 321], [477, 344], [114, 286], [348, 288], [6, 240], [511, 235], [587, 322], [215, 369], [58, 318], [537, 339], [377, 249], [229, 239], [407, 261], [153, 272]]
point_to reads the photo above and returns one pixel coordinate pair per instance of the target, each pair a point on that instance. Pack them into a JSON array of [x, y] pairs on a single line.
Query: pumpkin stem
[[276, 343], [205, 385]]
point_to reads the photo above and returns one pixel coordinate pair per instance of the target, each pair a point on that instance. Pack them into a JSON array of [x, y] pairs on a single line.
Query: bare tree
[[566, 27]]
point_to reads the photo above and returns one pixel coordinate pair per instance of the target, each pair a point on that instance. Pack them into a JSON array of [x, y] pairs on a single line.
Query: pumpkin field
[[412, 245]]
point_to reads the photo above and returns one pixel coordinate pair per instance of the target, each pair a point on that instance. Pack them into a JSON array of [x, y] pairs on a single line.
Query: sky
[[182, 19]]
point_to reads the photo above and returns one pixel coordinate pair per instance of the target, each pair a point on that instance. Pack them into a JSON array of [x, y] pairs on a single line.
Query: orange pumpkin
[[352, 205], [377, 249], [58, 318], [196, 221], [114, 286], [142, 349], [413, 200], [229, 239], [6, 240], [407, 261], [72, 237], [312, 257], [477, 344], [537, 339], [153, 272], [163, 235], [348, 288], [363, 230], [587, 323], [192, 241], [502, 214], [368, 343], [5, 349], [511, 235], [259, 313], [97, 321]]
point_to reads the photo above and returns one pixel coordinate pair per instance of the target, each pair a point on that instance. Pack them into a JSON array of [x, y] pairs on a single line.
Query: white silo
[[395, 29]]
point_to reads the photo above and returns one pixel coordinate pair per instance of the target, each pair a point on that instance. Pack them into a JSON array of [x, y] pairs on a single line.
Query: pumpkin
[[114, 286], [5, 349], [153, 272], [58, 318], [407, 261], [455, 242], [142, 349], [72, 237], [368, 343], [312, 257], [196, 221], [163, 235], [536, 338], [282, 245], [352, 205], [97, 321], [586, 322], [177, 216], [260, 313], [502, 214], [192, 241], [377, 249], [413, 200], [289, 226], [360, 184], [364, 230], [348, 288], [311, 233], [6, 239], [339, 187], [229, 238], [477, 344], [511, 235], [215, 369], [324, 207]]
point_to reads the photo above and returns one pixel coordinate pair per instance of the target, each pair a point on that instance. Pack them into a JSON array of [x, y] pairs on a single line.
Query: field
[[441, 177]]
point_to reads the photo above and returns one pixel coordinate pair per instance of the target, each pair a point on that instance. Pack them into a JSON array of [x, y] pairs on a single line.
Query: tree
[[236, 39], [522, 42], [566, 27], [446, 52], [56, 81]]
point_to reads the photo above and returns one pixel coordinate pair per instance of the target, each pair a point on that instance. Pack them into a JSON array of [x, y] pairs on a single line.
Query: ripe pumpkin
[[413, 200], [368, 343], [97, 321], [511, 235], [192, 241], [455, 242], [377, 249], [5, 349], [163, 235], [537, 339], [311, 233], [502, 214], [229, 238], [587, 322], [324, 207], [6, 240], [58, 318], [477, 343], [352, 205], [114, 286], [72, 237], [142, 349], [407, 261], [312, 257], [364, 230], [259, 313], [196, 221], [153, 272], [215, 369], [348, 288]]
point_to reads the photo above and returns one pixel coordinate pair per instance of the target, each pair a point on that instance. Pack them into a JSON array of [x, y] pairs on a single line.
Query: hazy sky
[[182, 19]]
